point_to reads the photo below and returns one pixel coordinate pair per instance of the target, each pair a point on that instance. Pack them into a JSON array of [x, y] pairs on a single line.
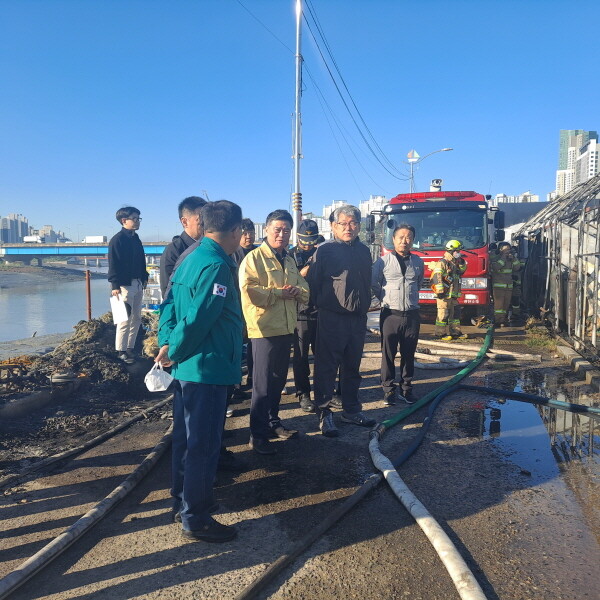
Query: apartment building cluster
[[577, 158], [15, 228]]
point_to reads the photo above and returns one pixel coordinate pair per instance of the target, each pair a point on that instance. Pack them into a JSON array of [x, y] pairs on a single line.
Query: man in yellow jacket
[[271, 289]]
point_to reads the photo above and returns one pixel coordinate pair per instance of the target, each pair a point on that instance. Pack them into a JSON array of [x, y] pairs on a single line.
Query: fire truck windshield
[[435, 228]]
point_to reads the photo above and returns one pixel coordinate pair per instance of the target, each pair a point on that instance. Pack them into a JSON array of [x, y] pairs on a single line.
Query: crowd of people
[[222, 292]]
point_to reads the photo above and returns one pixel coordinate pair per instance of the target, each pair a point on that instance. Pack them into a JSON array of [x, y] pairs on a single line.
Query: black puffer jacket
[[179, 244], [306, 312], [340, 277]]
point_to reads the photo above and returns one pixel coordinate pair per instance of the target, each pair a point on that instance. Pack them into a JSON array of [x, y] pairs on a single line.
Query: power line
[[330, 53], [322, 96], [264, 26]]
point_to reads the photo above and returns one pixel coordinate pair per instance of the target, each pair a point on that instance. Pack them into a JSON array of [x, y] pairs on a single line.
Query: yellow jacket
[[261, 278]]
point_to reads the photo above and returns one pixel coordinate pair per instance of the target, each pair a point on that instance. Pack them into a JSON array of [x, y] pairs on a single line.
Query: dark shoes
[[283, 433], [229, 462], [306, 404], [126, 358], [214, 532], [358, 419], [336, 401], [390, 398], [327, 425], [176, 515], [239, 394], [262, 446], [407, 396]]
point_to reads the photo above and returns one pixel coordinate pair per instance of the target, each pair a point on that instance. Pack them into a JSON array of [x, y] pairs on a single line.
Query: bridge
[[33, 251]]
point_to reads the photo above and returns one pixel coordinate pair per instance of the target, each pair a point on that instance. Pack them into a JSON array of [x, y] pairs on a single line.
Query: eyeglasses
[[134, 218], [349, 224]]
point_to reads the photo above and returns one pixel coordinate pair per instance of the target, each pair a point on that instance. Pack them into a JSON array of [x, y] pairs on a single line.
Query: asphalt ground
[[524, 534]]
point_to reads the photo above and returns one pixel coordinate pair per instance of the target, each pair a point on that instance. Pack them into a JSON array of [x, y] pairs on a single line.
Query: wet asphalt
[[516, 489]]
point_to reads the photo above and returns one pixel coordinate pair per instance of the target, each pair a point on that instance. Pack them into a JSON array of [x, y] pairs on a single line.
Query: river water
[[50, 307]]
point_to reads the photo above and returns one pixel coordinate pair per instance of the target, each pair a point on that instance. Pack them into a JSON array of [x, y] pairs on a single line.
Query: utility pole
[[297, 194]]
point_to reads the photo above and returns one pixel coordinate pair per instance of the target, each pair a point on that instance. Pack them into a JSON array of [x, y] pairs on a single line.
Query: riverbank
[[37, 345], [13, 276]]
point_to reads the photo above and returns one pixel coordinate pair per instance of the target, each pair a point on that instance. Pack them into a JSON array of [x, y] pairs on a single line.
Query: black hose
[[333, 517], [592, 411]]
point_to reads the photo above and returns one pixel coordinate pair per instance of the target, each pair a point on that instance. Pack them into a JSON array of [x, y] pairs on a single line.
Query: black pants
[[249, 362], [398, 329], [305, 337], [271, 360], [340, 342]]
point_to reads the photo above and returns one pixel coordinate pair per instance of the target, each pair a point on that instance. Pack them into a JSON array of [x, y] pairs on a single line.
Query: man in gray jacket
[[396, 280]]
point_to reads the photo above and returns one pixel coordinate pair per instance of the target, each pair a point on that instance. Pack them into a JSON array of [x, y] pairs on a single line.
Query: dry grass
[[539, 337]]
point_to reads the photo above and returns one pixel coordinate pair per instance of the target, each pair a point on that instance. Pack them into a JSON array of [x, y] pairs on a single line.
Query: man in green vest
[[200, 334]]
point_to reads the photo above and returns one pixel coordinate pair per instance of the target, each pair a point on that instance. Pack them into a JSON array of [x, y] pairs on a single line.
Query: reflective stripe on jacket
[[502, 268], [446, 274]]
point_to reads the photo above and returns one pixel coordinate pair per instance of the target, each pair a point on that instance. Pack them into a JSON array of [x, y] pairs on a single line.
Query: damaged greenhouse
[[560, 280]]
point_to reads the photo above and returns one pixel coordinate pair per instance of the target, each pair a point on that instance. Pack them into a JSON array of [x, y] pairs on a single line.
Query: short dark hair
[[190, 204], [405, 226], [280, 215], [126, 212], [221, 216], [247, 225]]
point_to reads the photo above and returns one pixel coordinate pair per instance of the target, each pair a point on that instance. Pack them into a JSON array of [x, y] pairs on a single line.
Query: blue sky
[[115, 102]]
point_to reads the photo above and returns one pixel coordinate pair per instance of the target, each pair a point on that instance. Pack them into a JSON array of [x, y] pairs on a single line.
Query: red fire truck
[[439, 216]]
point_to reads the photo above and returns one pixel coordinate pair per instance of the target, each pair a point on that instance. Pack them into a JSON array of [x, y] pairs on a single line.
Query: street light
[[414, 159]]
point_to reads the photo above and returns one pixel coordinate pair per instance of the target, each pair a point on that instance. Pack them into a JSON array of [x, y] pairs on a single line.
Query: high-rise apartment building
[[13, 228], [577, 158]]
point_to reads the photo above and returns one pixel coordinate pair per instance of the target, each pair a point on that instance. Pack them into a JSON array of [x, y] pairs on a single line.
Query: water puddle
[[543, 441]]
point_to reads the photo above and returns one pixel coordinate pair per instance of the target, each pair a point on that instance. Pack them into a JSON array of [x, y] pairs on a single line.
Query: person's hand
[[116, 293], [304, 270], [163, 356], [289, 292]]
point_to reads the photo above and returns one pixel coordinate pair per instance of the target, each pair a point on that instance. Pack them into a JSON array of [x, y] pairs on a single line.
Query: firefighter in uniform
[[445, 282], [515, 301], [503, 268]]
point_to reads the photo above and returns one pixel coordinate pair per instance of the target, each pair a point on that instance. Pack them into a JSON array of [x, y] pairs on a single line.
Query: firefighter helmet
[[453, 245]]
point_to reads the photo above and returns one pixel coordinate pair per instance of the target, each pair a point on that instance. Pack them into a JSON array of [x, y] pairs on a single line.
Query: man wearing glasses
[[128, 277], [271, 289], [340, 285]]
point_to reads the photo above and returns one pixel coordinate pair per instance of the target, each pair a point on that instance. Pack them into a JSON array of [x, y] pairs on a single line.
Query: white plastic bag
[[119, 310], [157, 379]]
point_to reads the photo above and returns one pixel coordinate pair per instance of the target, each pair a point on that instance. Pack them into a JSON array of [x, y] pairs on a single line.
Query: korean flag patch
[[219, 290]]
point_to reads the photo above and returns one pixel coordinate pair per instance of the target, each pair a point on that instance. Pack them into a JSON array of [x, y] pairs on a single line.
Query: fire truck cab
[[439, 216]]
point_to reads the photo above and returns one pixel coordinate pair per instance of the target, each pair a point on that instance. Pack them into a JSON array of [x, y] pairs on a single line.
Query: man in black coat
[[189, 215], [305, 335], [340, 286], [128, 277]]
